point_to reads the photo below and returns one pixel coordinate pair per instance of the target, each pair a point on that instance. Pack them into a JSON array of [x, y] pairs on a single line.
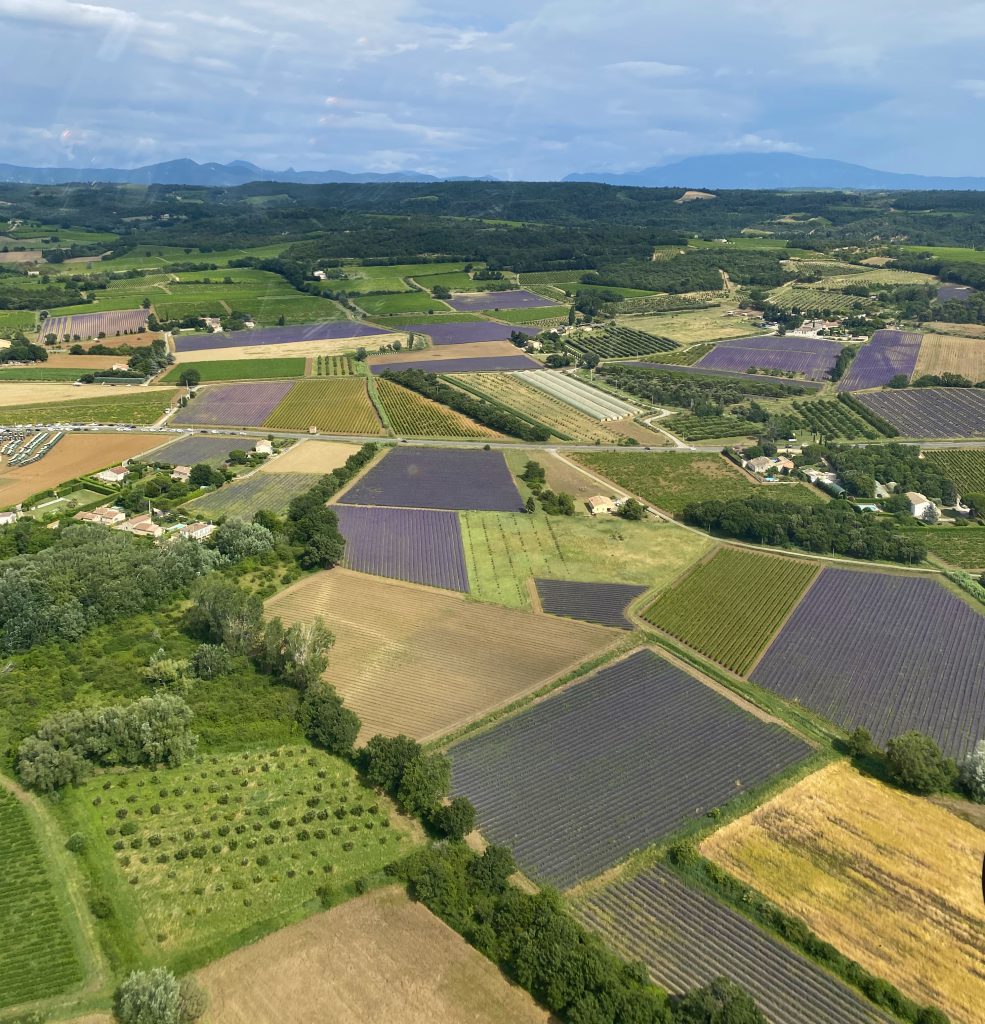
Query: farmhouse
[[920, 504], [105, 515], [181, 474], [116, 475], [264, 447], [142, 526], [199, 531], [598, 503], [764, 464], [6, 518]]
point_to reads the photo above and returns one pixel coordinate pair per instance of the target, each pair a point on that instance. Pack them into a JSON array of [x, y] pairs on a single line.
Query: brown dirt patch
[[645, 435], [73, 455], [474, 350], [945, 353], [311, 457], [27, 256], [377, 958], [409, 659]]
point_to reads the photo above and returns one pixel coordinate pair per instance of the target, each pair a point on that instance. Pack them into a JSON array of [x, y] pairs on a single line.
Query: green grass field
[[142, 408], [240, 369], [13, 320], [39, 372], [38, 955], [729, 607], [271, 492], [688, 327], [528, 316], [965, 466], [961, 546], [504, 550], [405, 302], [949, 253], [195, 859], [672, 480], [66, 502]]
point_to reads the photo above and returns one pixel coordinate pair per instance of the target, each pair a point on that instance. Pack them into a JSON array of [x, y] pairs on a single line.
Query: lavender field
[[612, 763], [241, 405], [813, 357], [405, 544], [91, 325], [467, 333], [512, 299], [931, 412], [440, 478], [604, 603], [958, 292], [887, 355], [686, 939], [187, 451], [891, 653], [328, 331], [480, 364]]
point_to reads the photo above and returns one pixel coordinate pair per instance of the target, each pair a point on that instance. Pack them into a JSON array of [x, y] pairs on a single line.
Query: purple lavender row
[[515, 299], [329, 330], [240, 405], [887, 355]]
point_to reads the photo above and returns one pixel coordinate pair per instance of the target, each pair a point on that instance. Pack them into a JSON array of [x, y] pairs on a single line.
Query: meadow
[[401, 302], [39, 372], [729, 607], [891, 880], [503, 551], [424, 662], [238, 369], [529, 316], [271, 492], [192, 857], [143, 406], [687, 327], [672, 480]]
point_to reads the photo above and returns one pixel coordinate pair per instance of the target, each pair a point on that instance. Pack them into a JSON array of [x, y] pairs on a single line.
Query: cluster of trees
[[20, 350], [832, 528], [566, 968], [707, 395], [481, 410], [91, 575], [859, 469], [844, 360], [158, 997], [68, 745], [151, 358], [535, 476]]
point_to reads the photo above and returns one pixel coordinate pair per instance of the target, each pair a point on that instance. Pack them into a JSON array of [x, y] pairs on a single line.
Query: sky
[[518, 89]]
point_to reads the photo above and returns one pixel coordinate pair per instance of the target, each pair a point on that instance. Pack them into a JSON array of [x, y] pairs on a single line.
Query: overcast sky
[[522, 89]]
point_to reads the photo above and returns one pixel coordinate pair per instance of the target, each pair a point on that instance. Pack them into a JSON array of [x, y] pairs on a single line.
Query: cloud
[[648, 69], [973, 86]]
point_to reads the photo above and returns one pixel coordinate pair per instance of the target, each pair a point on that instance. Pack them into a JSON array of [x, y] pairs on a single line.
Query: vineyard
[[331, 366], [685, 356], [818, 301], [128, 405], [416, 545], [701, 428], [422, 662], [614, 342], [891, 653], [965, 466], [270, 492], [728, 607], [204, 851], [414, 415], [37, 954], [835, 419], [960, 546], [558, 416], [334, 405], [687, 939], [611, 764]]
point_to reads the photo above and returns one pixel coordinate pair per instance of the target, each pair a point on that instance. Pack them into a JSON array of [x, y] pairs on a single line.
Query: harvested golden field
[[16, 393], [73, 455], [328, 347], [311, 457], [408, 659], [890, 879], [948, 353], [64, 360], [961, 330], [476, 349], [376, 958]]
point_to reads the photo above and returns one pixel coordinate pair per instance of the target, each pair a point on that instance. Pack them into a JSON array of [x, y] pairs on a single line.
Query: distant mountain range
[[722, 171], [775, 171], [188, 172]]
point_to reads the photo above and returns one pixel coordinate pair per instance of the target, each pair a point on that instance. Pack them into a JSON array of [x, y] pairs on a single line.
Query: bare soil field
[[73, 455], [477, 349], [327, 347], [27, 256], [376, 958], [15, 393], [946, 353], [311, 457], [639, 432], [408, 659], [890, 879]]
